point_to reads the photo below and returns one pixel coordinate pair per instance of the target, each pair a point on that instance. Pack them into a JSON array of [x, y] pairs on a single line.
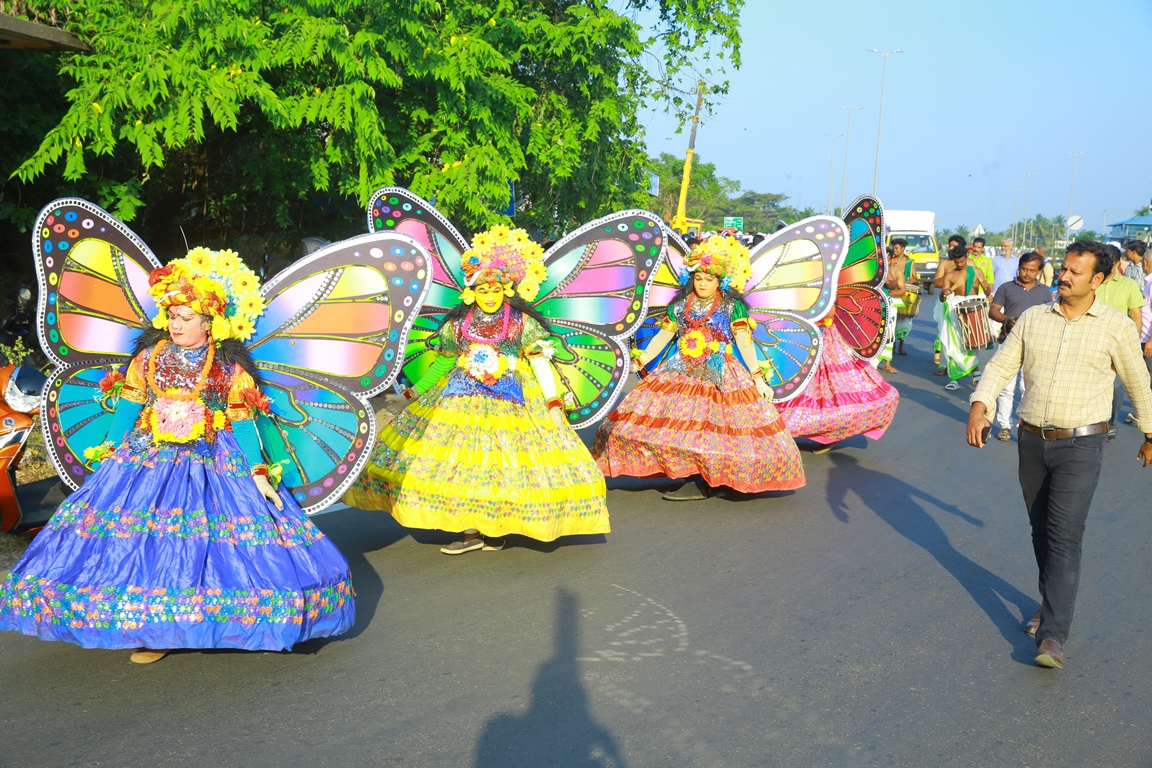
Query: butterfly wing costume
[[171, 541], [846, 395], [478, 449], [706, 406]]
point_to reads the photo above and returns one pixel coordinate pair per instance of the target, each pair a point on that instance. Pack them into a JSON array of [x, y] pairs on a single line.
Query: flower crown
[[507, 257], [216, 284], [722, 256]]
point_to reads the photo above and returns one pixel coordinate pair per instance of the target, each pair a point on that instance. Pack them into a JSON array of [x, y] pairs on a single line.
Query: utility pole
[[1015, 195], [1027, 192], [1072, 188], [831, 168], [844, 170], [680, 220], [880, 122]]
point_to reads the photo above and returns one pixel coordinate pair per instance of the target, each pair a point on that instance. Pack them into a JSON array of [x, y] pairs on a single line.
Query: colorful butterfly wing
[[793, 278], [397, 209], [333, 333], [862, 315], [93, 302], [596, 295], [93, 276], [72, 419], [665, 284]]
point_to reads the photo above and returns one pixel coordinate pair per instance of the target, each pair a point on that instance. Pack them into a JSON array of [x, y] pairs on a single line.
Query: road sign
[[1063, 243], [1076, 223], [734, 222]]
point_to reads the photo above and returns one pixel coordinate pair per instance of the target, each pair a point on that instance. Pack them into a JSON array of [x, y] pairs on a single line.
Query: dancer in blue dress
[[181, 539]]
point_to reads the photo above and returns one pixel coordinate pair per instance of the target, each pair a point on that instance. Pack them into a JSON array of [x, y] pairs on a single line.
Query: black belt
[[1059, 433]]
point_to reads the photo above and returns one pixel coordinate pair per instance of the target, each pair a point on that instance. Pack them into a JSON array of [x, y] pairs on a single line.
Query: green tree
[[268, 121]]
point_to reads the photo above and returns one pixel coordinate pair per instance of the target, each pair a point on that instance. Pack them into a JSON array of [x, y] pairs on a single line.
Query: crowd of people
[[182, 539]]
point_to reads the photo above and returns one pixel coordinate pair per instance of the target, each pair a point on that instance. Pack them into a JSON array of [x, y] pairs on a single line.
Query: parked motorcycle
[[20, 386]]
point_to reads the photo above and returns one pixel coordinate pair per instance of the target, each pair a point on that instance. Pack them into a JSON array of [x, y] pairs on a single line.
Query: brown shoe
[[1050, 654], [1032, 624], [144, 656]]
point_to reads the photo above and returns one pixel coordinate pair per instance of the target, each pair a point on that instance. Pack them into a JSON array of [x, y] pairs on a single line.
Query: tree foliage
[[712, 197], [273, 120]]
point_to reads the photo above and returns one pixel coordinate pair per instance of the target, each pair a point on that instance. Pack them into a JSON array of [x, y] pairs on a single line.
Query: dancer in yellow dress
[[484, 448]]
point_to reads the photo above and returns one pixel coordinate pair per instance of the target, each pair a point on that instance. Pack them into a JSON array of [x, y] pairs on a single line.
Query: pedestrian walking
[[1069, 352]]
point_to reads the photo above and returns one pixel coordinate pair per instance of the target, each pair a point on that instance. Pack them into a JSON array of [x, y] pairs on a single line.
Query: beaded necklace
[[466, 328], [690, 305], [194, 395]]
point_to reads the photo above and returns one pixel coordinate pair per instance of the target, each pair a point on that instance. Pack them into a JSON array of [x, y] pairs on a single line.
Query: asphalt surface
[[870, 618]]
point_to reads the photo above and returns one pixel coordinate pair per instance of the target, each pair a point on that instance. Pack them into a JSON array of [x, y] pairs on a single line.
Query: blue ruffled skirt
[[174, 547]]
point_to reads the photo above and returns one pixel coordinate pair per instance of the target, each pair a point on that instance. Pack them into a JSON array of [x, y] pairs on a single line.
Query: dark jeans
[[1058, 478]]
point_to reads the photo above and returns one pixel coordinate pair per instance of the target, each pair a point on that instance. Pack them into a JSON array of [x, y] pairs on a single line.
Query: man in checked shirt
[[1069, 352]]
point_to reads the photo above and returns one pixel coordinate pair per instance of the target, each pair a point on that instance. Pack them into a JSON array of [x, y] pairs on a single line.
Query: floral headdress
[[507, 257], [216, 284], [722, 256]]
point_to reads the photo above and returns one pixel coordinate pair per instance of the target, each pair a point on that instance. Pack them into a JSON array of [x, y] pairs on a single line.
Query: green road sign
[[734, 222]]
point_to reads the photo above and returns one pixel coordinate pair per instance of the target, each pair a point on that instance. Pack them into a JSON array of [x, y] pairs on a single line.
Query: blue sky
[[984, 93]]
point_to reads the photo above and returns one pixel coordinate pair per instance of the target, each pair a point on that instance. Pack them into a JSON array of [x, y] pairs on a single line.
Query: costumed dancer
[[702, 411], [485, 450], [180, 539], [846, 397]]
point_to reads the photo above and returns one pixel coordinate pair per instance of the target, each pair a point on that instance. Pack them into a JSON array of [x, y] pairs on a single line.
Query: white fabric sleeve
[[543, 370]]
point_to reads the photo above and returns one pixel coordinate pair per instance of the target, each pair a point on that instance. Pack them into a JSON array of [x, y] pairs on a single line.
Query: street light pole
[[1072, 188], [1027, 192], [1015, 196], [831, 168], [844, 170], [880, 121]]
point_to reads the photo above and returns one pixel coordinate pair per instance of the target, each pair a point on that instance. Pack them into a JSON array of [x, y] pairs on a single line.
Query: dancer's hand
[[636, 366], [267, 491], [557, 415], [763, 388]]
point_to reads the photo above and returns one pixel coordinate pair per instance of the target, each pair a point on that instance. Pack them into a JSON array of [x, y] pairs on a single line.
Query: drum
[[911, 306], [972, 316]]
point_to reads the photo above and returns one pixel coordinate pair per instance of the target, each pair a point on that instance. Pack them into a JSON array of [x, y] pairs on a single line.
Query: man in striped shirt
[[1069, 351]]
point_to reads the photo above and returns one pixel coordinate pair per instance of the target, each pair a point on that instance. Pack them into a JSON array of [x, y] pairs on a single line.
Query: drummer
[[958, 279]]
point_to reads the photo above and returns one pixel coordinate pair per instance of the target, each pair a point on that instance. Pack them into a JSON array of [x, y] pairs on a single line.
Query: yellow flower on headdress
[[507, 256], [482, 240], [160, 322], [201, 259], [245, 283], [242, 328], [252, 305], [221, 328], [723, 257], [227, 263]]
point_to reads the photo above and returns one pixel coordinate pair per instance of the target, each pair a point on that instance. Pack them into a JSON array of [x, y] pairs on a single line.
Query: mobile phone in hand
[[985, 434]]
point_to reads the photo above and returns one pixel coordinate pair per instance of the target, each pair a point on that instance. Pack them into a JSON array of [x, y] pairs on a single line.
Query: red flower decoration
[[158, 274], [109, 382], [256, 400]]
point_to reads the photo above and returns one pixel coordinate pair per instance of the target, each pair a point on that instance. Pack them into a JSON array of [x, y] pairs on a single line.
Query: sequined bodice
[[180, 368]]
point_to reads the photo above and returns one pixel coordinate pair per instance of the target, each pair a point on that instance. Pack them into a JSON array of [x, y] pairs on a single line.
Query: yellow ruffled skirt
[[461, 462]]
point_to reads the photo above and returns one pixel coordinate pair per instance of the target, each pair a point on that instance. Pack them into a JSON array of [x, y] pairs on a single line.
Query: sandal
[[952, 385]]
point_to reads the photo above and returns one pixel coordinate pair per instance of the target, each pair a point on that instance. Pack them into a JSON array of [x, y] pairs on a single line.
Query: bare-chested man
[[959, 278]]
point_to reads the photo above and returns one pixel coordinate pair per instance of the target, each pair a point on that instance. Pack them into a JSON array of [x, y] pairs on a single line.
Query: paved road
[[871, 618]]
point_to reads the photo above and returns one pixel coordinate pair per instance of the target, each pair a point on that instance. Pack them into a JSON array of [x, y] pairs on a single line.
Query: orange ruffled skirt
[[677, 425]]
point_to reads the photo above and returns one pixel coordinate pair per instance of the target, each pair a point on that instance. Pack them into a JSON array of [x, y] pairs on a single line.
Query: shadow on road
[[896, 503], [356, 532], [557, 730]]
